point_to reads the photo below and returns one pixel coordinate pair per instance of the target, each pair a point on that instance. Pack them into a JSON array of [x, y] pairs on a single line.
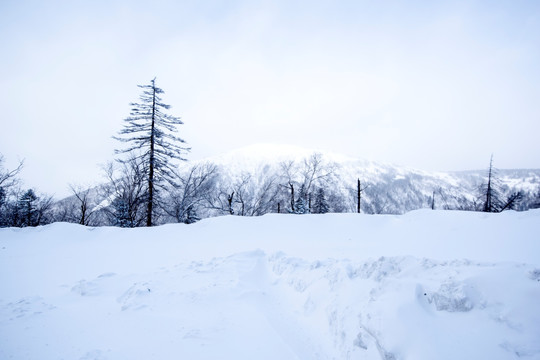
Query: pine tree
[[321, 205], [300, 205], [121, 213], [150, 134], [27, 209], [191, 215]]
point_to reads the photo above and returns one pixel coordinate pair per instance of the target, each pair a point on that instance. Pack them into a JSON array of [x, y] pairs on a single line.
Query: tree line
[[144, 186]]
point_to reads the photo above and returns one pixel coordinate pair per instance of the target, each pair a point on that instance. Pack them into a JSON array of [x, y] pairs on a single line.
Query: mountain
[[388, 188]]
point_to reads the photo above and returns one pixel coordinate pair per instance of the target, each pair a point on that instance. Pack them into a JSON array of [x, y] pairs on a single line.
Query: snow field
[[425, 285]]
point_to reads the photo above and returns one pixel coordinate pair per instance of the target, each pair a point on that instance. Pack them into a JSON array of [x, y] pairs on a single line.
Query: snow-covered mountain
[[388, 188]]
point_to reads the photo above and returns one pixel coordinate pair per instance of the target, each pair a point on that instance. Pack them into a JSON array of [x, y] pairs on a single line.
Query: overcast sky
[[435, 85]]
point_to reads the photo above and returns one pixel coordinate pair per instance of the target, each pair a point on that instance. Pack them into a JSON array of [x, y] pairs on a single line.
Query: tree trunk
[[292, 196], [359, 195], [151, 165]]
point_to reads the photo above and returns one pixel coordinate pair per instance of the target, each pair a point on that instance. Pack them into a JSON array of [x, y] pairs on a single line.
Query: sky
[[434, 85]]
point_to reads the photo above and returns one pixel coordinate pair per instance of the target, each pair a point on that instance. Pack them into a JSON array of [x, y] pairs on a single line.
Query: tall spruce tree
[[150, 132], [321, 205]]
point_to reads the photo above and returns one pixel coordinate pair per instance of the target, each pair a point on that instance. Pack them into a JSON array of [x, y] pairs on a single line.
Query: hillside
[[389, 189], [424, 285]]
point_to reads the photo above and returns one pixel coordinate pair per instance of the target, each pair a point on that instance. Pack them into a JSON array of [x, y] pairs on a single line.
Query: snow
[[424, 285]]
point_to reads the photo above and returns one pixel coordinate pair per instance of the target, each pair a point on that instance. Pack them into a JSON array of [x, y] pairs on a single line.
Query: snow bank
[[425, 285]]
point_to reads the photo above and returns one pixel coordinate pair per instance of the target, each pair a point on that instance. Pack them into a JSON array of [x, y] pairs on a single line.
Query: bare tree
[[256, 197], [8, 178], [313, 171], [85, 208], [316, 171], [193, 189], [126, 193], [289, 172]]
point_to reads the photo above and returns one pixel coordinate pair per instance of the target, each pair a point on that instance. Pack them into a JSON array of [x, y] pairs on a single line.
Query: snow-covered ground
[[425, 285]]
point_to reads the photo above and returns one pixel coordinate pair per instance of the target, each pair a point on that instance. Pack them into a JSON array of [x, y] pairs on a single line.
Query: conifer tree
[[494, 201], [321, 205], [150, 133], [191, 215], [27, 209], [300, 206]]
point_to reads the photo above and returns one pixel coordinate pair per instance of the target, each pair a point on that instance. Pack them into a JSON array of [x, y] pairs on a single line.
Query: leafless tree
[[84, 208], [314, 170], [8, 178], [193, 189], [127, 186]]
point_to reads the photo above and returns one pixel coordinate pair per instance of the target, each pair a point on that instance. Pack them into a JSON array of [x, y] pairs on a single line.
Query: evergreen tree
[[321, 205], [27, 209], [121, 213], [300, 205], [490, 190], [191, 215], [493, 200], [150, 134]]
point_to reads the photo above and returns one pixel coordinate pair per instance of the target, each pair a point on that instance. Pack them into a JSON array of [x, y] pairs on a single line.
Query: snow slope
[[424, 285]]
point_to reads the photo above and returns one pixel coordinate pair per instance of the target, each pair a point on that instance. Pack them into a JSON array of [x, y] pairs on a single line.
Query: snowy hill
[[425, 285], [389, 188]]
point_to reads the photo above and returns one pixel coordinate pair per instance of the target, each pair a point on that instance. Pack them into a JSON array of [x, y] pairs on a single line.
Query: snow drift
[[425, 285]]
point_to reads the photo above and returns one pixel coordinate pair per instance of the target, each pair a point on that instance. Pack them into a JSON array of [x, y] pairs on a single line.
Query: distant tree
[[316, 171], [33, 210], [8, 178], [301, 206], [321, 205], [193, 189], [150, 134], [255, 196], [191, 216], [289, 171], [126, 193], [27, 206], [9, 193], [85, 209], [493, 199], [122, 216], [313, 171], [535, 204], [490, 191], [359, 190]]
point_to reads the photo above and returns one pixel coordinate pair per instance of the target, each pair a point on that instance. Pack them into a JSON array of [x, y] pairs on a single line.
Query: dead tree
[[359, 190], [85, 212]]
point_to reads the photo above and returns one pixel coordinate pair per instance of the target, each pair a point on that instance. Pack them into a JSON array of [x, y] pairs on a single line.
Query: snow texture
[[424, 285]]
